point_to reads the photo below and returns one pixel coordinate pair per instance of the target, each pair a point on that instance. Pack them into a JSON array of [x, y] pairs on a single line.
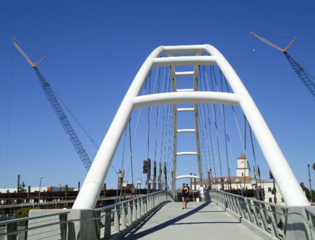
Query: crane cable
[[168, 153], [9, 121], [213, 108], [77, 121], [201, 120], [209, 135]]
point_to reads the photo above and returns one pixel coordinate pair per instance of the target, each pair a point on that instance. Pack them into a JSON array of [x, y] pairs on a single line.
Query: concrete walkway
[[199, 221]]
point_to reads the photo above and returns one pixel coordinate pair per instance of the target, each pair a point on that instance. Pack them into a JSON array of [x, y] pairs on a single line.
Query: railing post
[[134, 210], [239, 207], [129, 213], [296, 227], [142, 206], [249, 209], [11, 227], [108, 223], [145, 205], [233, 204], [123, 219], [63, 227], [274, 221], [256, 220], [310, 214], [116, 219], [152, 201], [263, 215]]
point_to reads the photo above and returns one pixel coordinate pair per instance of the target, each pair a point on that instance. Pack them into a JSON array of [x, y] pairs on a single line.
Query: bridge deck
[[198, 221]]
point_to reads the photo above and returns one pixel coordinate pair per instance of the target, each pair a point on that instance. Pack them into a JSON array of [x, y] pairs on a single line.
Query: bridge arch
[[187, 176], [282, 172]]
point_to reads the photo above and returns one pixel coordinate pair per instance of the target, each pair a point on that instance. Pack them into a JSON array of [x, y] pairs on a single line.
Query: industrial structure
[[59, 112], [307, 79], [269, 221]]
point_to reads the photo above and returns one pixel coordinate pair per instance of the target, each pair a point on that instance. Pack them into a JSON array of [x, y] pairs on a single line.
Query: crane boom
[[59, 112], [272, 44], [303, 75], [64, 121], [298, 69]]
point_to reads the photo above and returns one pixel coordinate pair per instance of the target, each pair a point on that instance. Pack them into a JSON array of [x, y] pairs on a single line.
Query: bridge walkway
[[201, 220]]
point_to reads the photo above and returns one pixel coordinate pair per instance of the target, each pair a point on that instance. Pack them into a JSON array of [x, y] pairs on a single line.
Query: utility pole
[[154, 176], [149, 176], [309, 176]]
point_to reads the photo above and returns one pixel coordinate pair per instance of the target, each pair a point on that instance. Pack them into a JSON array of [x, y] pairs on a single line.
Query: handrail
[[131, 199], [139, 200], [31, 218], [254, 207], [284, 214]]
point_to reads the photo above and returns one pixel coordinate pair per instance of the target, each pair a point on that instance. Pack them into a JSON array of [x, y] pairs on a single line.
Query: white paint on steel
[[184, 74], [184, 90], [282, 172], [186, 97], [188, 60], [186, 153], [186, 176], [186, 130], [185, 109]]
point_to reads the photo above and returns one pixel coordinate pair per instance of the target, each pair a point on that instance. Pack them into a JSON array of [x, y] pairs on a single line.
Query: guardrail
[[110, 222], [276, 221]]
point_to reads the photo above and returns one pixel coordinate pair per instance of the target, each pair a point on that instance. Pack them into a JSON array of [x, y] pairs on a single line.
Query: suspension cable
[[209, 135]]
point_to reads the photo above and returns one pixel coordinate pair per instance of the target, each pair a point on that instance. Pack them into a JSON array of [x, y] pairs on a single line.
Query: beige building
[[244, 184]]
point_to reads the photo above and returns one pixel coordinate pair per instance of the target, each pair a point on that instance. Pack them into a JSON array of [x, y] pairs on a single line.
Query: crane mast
[[298, 69], [59, 112]]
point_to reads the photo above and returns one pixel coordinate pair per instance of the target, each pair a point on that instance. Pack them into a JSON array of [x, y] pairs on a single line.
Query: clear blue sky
[[95, 48]]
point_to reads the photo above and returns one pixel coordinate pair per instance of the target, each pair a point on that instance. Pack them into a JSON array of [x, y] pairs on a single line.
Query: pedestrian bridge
[[156, 215]]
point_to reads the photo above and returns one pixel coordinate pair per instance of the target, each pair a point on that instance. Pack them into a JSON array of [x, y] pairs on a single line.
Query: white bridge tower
[[196, 55]]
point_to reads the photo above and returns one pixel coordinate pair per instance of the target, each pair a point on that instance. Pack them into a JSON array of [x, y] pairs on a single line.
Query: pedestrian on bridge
[[201, 193], [184, 194]]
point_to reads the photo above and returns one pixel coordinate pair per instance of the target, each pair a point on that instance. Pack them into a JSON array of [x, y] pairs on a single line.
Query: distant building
[[12, 190], [243, 180]]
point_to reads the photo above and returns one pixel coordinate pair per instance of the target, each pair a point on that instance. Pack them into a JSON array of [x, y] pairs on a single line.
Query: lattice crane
[[306, 78], [59, 112]]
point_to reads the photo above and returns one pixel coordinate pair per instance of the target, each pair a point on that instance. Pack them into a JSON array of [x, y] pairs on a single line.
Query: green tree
[[22, 187], [307, 192], [23, 213]]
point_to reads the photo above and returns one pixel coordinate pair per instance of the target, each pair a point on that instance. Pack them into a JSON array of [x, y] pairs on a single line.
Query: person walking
[[201, 193], [184, 192]]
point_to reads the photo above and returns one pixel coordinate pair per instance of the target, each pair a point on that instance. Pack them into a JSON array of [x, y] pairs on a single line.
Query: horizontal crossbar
[[186, 97]]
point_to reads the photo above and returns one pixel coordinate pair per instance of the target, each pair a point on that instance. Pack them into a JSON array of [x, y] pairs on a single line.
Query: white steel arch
[[187, 176], [282, 172]]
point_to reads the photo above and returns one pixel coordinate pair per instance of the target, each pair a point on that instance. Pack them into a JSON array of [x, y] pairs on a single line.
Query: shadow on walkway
[[134, 235]]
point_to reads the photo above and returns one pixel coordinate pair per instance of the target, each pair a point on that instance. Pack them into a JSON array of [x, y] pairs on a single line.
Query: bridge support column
[[83, 229], [296, 227]]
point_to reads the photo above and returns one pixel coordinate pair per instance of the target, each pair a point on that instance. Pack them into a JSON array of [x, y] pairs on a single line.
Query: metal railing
[[271, 218], [111, 222]]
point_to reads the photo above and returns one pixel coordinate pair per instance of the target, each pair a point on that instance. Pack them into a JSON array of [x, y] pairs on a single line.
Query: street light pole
[[40, 184], [309, 175]]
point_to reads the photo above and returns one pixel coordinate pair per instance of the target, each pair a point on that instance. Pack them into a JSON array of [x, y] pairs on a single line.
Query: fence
[[276, 221], [110, 222]]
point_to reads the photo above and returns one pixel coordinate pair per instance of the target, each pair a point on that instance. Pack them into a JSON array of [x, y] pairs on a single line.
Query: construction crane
[[59, 112], [305, 77]]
